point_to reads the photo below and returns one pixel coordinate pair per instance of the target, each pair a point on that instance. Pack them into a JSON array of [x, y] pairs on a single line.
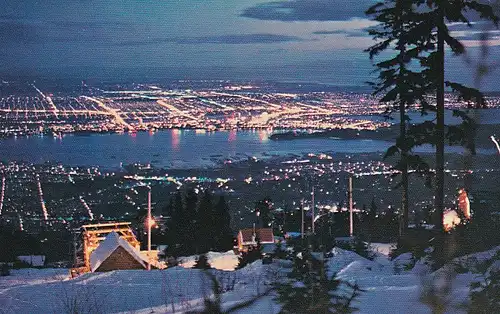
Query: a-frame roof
[[108, 246]]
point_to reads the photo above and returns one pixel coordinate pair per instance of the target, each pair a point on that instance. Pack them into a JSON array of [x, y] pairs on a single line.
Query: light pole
[[351, 227], [313, 205], [149, 228], [302, 219]]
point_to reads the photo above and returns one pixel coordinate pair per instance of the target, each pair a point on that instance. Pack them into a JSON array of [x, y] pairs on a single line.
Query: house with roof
[[116, 253], [248, 238]]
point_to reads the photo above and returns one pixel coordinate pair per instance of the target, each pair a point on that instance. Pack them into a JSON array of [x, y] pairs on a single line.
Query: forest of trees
[[417, 35], [198, 223]]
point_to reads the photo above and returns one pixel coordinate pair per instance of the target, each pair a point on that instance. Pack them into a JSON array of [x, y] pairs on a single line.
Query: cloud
[[309, 10], [335, 32], [477, 32], [12, 31], [237, 39], [476, 35], [16, 30], [475, 26], [92, 25], [346, 32]]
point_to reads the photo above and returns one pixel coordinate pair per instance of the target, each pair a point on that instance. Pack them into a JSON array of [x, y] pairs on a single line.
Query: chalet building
[[115, 253], [248, 238]]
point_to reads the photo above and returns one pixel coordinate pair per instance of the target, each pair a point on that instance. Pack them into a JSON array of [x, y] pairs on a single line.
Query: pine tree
[[168, 211], [419, 30], [202, 262], [139, 222], [309, 289], [361, 248], [263, 211], [442, 12], [243, 260], [183, 225], [373, 210], [4, 269], [402, 87], [213, 305], [223, 236], [206, 230], [252, 255], [279, 252], [485, 296], [189, 223], [175, 226]]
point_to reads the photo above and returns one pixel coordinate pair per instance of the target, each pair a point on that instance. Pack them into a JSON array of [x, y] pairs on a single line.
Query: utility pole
[[313, 214], [149, 228], [75, 245], [351, 227], [302, 220]]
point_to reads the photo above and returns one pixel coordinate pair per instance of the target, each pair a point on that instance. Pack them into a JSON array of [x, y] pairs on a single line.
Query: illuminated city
[[257, 156]]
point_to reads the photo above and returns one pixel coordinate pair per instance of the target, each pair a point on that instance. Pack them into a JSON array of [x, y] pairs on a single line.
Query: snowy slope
[[222, 261], [179, 289]]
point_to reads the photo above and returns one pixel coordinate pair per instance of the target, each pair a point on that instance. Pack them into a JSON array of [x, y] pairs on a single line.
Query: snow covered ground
[[179, 289], [221, 261]]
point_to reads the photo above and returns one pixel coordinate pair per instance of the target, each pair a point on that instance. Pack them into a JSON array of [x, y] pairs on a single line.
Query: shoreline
[[247, 163], [482, 139]]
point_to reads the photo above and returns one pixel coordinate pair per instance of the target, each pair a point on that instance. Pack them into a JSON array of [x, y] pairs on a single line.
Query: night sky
[[297, 40]]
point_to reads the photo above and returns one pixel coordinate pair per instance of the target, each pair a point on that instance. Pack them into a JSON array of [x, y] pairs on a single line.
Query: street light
[[150, 222]]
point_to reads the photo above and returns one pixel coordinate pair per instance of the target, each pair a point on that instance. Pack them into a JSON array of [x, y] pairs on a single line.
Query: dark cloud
[[240, 39], [16, 30], [478, 35], [330, 32], [347, 33], [93, 25], [107, 33], [12, 31], [475, 26], [317, 10], [222, 39], [309, 10]]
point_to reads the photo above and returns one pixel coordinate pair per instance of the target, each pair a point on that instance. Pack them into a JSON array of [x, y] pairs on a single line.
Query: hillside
[[180, 289]]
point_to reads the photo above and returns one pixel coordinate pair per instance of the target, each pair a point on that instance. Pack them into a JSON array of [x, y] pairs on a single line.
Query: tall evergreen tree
[[441, 12], [202, 262], [419, 32], [402, 87], [252, 255], [223, 236], [168, 210], [311, 290], [373, 209], [190, 223], [206, 230], [263, 211], [174, 225]]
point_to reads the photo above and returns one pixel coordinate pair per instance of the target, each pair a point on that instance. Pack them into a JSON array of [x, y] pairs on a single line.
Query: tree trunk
[[439, 197], [402, 124], [404, 170]]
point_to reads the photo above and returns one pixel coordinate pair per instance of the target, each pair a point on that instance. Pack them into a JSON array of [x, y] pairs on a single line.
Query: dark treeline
[[197, 223], [55, 245], [370, 224]]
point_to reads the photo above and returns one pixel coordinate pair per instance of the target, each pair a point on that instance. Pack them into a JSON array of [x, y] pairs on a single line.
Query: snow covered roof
[[108, 246]]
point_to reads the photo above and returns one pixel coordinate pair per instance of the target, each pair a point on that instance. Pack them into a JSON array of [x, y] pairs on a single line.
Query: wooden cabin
[[248, 238], [115, 253]]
